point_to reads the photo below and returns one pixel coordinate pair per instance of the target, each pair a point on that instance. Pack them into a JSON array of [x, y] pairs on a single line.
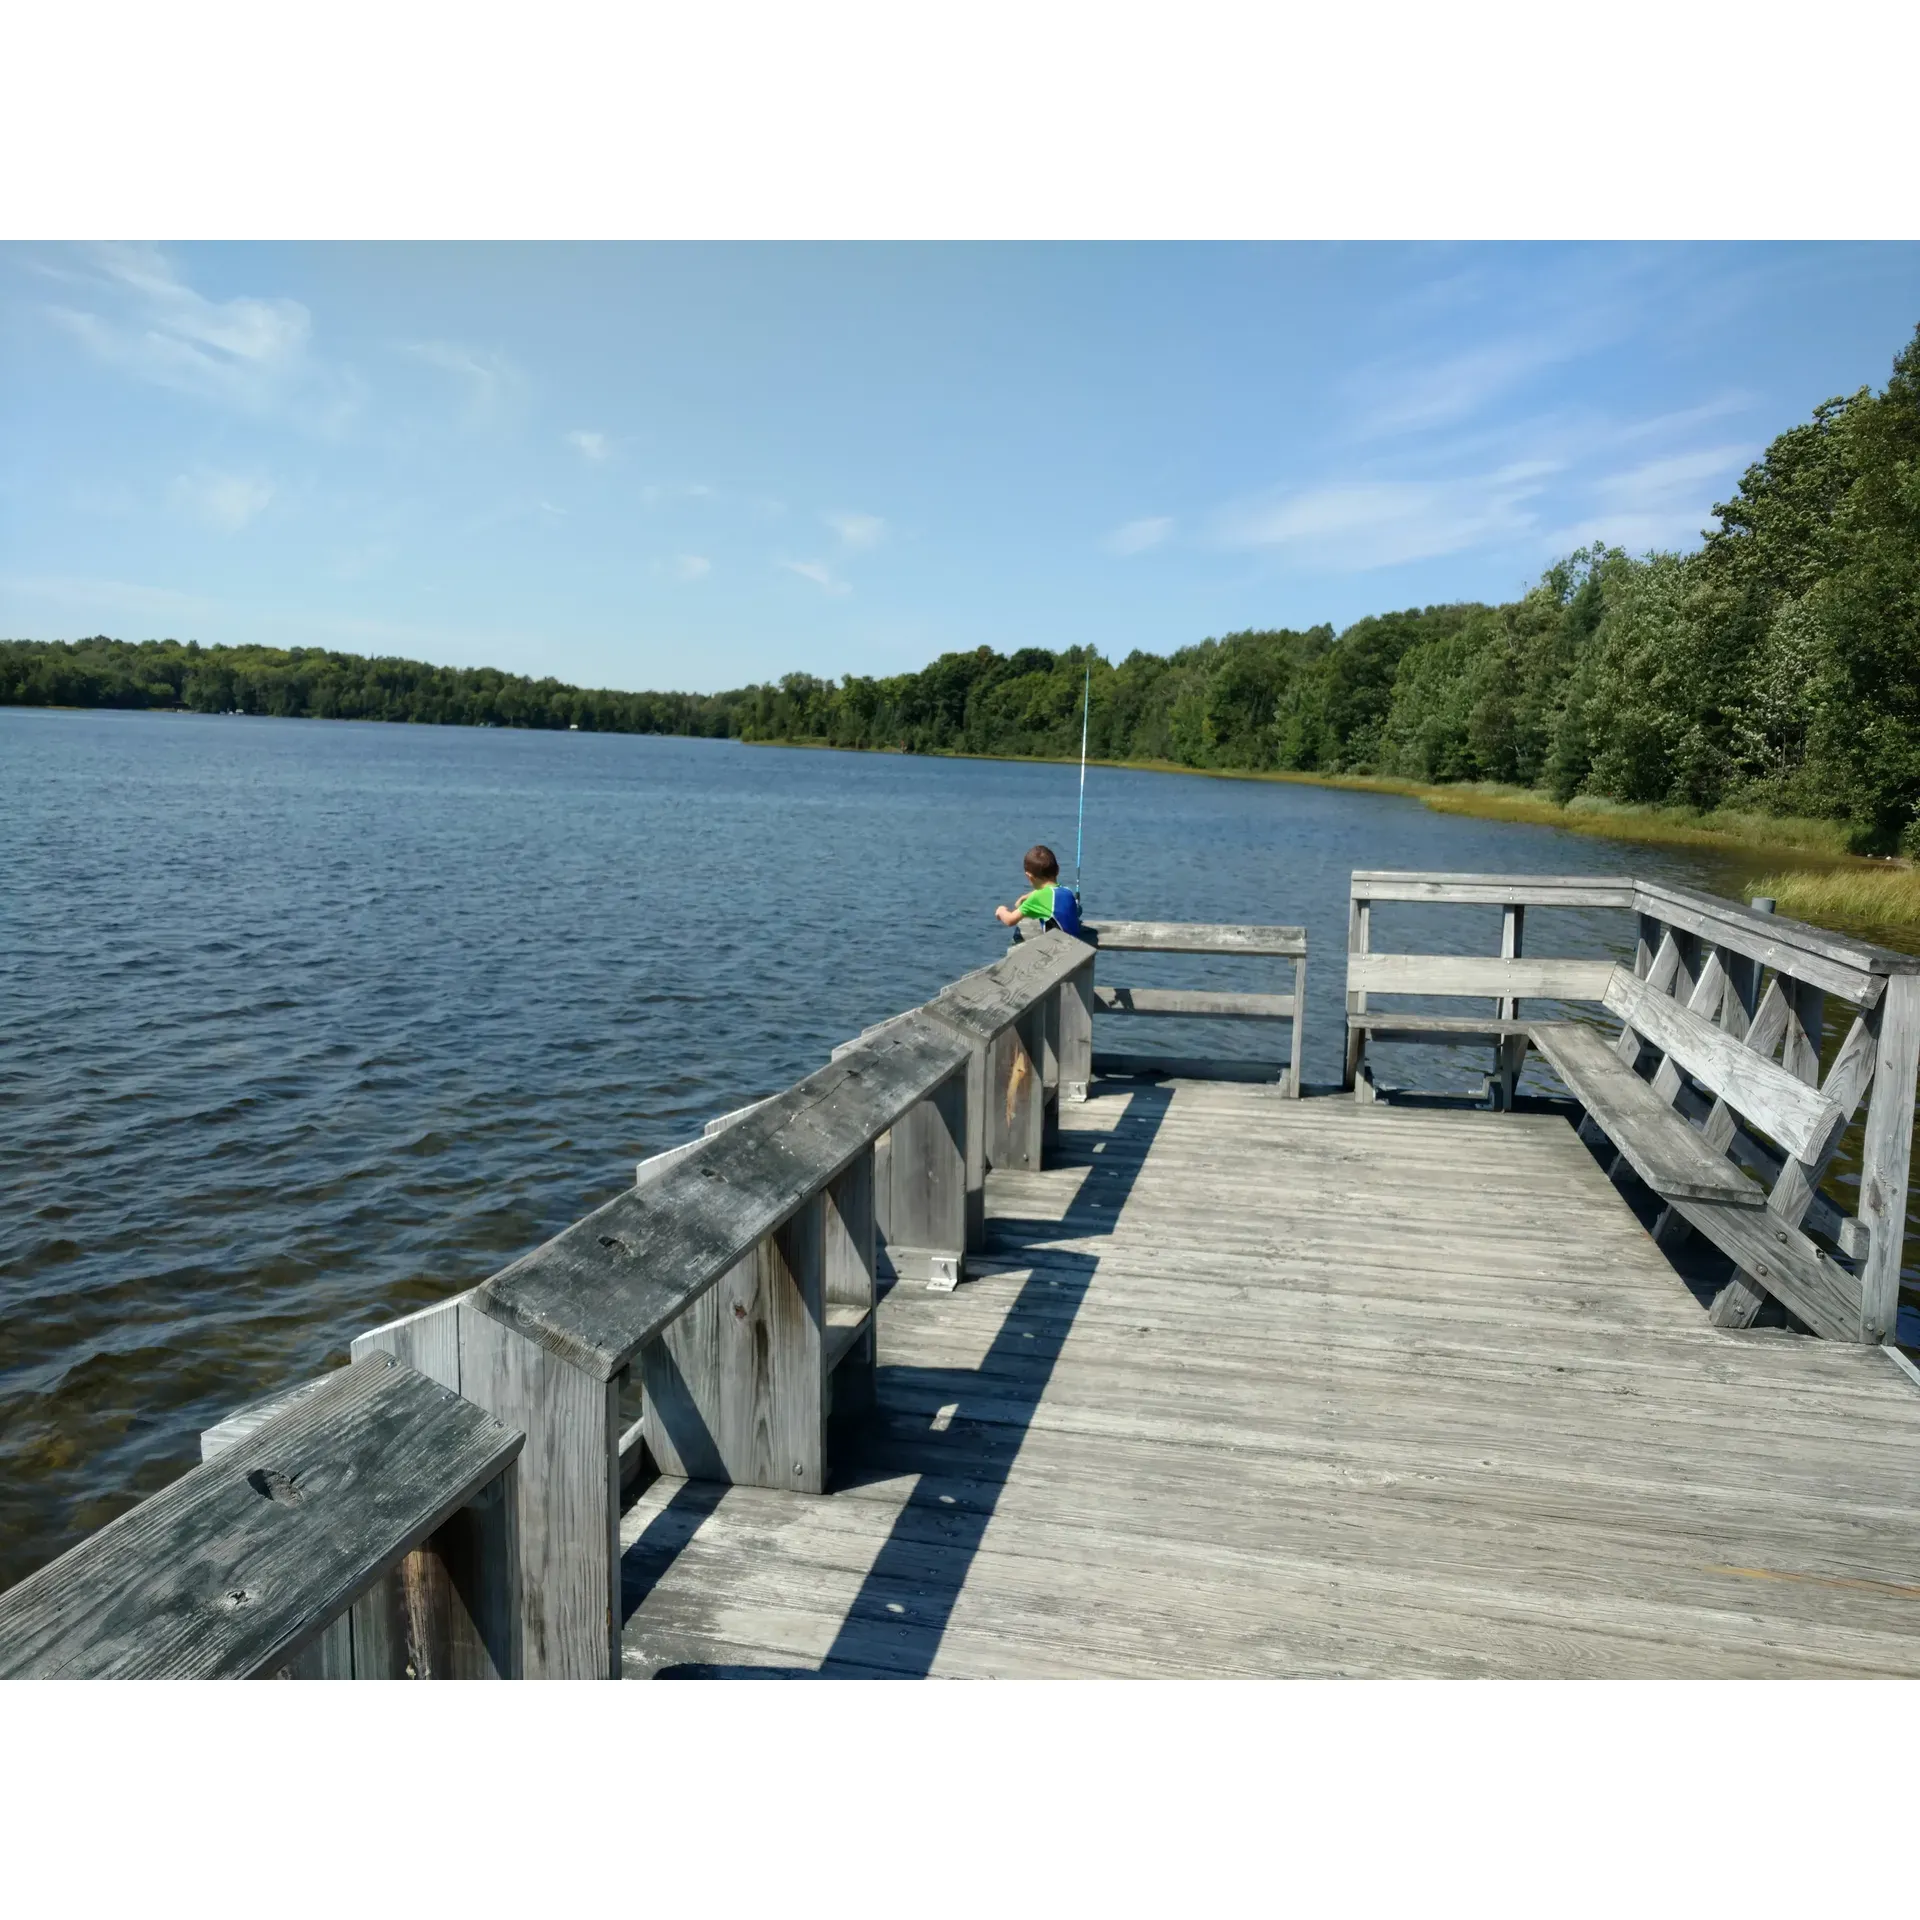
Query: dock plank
[[1247, 1387]]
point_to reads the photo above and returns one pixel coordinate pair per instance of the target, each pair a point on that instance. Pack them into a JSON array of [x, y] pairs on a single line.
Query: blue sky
[[692, 466]]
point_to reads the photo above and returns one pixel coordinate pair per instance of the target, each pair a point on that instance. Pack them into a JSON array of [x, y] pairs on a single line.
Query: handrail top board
[[1855, 969], [1493, 889], [232, 1567], [987, 1001], [1176, 936], [600, 1289]]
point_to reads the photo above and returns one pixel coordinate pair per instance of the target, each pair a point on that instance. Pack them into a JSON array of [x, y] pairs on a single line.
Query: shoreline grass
[[1872, 897]]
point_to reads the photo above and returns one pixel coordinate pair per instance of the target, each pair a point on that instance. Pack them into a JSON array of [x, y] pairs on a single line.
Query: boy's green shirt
[[1037, 905]]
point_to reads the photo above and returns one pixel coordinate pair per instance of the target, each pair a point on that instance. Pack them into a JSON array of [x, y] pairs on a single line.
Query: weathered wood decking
[[1254, 1386]]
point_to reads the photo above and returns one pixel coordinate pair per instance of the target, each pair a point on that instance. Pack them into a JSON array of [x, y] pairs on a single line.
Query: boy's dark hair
[[1041, 863]]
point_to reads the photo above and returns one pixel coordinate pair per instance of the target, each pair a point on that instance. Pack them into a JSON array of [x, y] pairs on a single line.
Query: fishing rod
[[1080, 826]]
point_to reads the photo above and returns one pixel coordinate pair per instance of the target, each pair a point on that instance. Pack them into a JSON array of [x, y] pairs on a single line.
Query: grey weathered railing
[[1716, 1070], [366, 1529], [1187, 1003], [733, 1286]]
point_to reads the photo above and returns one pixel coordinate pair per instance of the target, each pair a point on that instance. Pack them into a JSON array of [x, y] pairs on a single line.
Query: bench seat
[[1652, 1138]]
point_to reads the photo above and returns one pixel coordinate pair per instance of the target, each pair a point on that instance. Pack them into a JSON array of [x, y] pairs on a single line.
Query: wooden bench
[[1763, 1229], [1721, 1020], [363, 1526], [1191, 1003], [1506, 980]]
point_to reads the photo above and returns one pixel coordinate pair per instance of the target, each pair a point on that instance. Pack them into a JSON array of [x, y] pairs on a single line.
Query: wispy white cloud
[[819, 573], [1686, 419], [253, 354], [693, 566], [858, 531], [1679, 475], [1139, 535], [492, 384], [1663, 503], [589, 444], [226, 502], [1354, 526], [1413, 398]]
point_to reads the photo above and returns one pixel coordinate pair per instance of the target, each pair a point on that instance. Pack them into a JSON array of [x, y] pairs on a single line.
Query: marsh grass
[[1867, 895], [1723, 827]]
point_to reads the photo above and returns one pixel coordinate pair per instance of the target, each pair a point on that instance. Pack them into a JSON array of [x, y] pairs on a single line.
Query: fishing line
[[1080, 827]]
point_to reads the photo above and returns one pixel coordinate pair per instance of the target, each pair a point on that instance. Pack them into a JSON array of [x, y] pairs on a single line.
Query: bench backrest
[[1806, 1121]]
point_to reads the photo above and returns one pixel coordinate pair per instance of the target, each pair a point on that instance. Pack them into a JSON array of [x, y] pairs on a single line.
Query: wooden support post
[[451, 1609], [736, 1387], [930, 1192], [1886, 1155], [883, 1187], [569, 1507], [418, 1623], [1048, 1032], [1738, 1303], [849, 1287], [1015, 1113], [1076, 1034], [1741, 994], [1507, 1058], [1299, 1027], [1359, 933], [1657, 969], [1647, 945], [1687, 973], [1800, 1052]]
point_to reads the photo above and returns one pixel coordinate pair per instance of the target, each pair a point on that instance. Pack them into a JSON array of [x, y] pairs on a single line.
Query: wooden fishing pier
[[977, 1353]]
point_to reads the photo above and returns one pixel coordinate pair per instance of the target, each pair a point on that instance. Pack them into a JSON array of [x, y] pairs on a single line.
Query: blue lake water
[[306, 1023]]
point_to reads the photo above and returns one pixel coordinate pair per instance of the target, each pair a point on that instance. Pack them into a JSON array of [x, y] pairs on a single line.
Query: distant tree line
[[311, 683], [1775, 669]]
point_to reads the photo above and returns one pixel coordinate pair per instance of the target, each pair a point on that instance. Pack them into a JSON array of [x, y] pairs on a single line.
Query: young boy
[[1046, 900]]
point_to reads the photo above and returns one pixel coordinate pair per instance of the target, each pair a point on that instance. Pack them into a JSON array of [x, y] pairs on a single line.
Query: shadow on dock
[[965, 1453]]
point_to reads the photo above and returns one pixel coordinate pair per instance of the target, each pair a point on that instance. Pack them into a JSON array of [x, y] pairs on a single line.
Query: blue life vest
[[1066, 910]]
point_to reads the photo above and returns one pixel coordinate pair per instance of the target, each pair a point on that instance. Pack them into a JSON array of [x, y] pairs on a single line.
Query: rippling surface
[[307, 1023]]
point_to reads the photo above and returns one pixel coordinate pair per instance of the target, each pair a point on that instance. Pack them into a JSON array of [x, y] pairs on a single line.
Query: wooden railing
[[1190, 1003], [1715, 1074], [367, 1528]]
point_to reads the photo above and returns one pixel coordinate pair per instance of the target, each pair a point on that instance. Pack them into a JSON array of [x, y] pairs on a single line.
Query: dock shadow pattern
[[960, 1451]]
